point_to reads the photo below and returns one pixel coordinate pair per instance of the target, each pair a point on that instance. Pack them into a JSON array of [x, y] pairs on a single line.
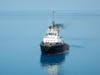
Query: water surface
[[20, 53]]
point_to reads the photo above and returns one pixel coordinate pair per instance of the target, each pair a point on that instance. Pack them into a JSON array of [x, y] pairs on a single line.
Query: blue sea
[[20, 37]]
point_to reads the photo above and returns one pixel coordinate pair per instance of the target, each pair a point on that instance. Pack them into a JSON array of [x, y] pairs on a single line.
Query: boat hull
[[53, 49]]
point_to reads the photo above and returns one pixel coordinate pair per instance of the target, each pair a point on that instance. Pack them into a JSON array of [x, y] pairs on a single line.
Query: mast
[[53, 21]]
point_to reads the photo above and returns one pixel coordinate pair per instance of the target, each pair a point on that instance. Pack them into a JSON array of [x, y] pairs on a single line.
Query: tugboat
[[52, 42]]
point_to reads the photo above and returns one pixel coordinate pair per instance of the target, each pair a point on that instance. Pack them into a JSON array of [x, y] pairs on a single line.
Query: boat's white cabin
[[52, 35]]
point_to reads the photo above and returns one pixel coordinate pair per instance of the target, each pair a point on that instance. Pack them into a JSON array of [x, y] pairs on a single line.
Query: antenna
[[53, 21]]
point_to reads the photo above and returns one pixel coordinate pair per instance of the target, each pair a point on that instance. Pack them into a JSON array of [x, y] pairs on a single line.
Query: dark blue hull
[[54, 48]]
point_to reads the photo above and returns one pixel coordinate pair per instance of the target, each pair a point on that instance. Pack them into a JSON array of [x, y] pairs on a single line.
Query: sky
[[49, 4]]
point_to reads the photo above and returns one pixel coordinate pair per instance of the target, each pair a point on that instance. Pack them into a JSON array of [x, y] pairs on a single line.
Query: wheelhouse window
[[51, 34]]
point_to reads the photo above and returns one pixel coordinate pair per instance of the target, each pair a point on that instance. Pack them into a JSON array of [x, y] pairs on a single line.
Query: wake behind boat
[[52, 42]]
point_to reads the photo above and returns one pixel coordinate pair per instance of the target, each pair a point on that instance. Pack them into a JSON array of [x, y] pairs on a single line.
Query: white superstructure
[[52, 35]]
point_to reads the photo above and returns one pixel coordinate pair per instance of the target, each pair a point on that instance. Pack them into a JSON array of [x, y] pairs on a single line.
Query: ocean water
[[20, 52]]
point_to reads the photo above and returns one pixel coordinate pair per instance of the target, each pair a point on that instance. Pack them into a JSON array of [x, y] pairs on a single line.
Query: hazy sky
[[50, 4]]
